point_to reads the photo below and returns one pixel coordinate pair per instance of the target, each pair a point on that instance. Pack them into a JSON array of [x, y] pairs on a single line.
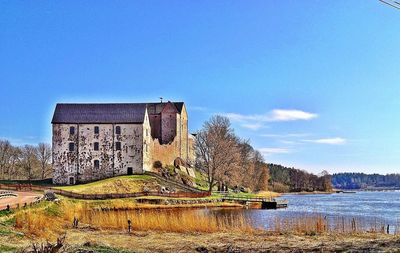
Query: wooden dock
[[266, 203]]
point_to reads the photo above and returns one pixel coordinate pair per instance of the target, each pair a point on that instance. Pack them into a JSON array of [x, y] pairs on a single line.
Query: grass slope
[[121, 184]]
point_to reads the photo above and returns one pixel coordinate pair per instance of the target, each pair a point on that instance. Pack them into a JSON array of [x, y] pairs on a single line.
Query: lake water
[[366, 207]]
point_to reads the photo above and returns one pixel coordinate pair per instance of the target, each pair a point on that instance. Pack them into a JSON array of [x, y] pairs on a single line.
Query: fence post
[[129, 226]]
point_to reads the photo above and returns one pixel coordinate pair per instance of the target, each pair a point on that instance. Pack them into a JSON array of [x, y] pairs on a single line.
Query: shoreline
[[306, 193]]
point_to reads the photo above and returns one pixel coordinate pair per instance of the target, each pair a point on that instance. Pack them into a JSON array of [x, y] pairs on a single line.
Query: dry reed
[[50, 221], [54, 219], [318, 224]]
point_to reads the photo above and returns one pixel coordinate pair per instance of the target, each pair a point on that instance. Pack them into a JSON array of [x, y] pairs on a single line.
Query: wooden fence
[[19, 187]]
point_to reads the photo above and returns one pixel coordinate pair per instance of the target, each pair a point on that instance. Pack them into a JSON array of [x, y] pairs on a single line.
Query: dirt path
[[21, 199]]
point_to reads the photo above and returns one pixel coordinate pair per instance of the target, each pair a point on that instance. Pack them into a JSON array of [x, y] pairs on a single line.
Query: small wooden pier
[[266, 203]]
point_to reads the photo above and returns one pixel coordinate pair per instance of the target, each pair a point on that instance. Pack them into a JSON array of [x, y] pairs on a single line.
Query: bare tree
[[28, 160], [246, 164], [5, 152], [261, 172], [14, 163], [217, 152], [43, 154]]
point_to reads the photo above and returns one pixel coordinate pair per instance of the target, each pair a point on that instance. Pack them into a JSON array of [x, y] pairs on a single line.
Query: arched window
[[96, 146], [117, 130], [96, 130], [72, 130]]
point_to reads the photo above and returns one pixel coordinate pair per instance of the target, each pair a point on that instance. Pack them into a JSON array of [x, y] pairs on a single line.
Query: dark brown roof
[[106, 113], [156, 108]]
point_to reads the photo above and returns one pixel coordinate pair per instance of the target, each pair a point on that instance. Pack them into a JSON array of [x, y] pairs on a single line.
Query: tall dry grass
[[319, 224], [51, 221], [54, 219], [165, 220]]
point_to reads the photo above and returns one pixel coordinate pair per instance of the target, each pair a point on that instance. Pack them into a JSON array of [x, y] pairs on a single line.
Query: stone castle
[[96, 141]]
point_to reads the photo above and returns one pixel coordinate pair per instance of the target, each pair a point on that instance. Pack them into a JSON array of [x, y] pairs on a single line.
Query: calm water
[[381, 207]]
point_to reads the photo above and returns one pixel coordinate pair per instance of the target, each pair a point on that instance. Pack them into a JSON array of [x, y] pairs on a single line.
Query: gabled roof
[[156, 108], [99, 113], [107, 113]]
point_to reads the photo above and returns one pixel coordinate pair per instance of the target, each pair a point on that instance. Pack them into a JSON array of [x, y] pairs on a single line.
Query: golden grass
[[164, 220], [53, 219], [268, 194], [319, 224]]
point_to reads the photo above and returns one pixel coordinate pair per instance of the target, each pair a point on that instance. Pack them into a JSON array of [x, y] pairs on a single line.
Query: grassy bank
[[121, 184]]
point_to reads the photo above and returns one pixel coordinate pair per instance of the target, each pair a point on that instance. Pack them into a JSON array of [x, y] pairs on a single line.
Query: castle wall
[[168, 123], [165, 153], [112, 162], [64, 162], [162, 137], [87, 154], [184, 135], [147, 144]]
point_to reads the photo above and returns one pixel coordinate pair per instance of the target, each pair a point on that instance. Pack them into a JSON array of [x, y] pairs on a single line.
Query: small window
[[96, 164], [118, 145], [147, 132], [96, 130], [72, 130], [117, 130], [96, 146], [71, 146]]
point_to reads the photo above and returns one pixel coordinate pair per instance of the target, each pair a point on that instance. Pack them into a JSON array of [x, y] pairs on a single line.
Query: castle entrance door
[[130, 171]]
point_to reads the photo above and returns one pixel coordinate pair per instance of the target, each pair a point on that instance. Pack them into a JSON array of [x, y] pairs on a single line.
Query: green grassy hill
[[121, 184]]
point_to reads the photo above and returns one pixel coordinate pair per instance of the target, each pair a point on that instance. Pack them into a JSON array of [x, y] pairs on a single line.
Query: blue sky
[[312, 84]]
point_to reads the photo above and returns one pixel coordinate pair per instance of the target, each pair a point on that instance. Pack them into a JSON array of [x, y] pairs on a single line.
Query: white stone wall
[[147, 144], [184, 136], [87, 154], [131, 153], [112, 162], [64, 162]]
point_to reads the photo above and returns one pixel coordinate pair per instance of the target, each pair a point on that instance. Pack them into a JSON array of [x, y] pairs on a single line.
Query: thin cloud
[[198, 108], [291, 115], [288, 142], [276, 115], [290, 135], [252, 126], [330, 141], [271, 151]]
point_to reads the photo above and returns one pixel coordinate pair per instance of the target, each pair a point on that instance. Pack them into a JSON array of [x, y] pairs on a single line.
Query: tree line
[[365, 181], [229, 161], [284, 179], [26, 163]]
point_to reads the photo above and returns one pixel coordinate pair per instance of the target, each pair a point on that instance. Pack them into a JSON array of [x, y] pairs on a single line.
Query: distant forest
[[365, 181], [284, 179]]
